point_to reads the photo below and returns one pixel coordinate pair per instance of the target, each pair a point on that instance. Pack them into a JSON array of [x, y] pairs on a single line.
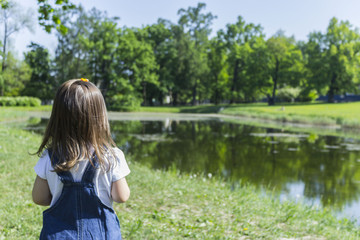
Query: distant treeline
[[179, 63]]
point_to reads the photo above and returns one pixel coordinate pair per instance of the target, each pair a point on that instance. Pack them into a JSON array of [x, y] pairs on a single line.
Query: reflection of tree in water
[[330, 172], [272, 158], [37, 125]]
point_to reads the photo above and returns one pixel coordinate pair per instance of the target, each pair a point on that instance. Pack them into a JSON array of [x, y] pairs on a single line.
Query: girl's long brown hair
[[78, 126]]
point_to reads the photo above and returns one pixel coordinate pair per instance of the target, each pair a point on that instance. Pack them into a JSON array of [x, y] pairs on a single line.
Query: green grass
[[345, 114], [10, 114], [166, 205]]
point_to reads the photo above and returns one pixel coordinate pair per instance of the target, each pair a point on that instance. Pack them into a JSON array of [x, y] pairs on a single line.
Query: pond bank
[[246, 116], [331, 130], [167, 205], [345, 115]]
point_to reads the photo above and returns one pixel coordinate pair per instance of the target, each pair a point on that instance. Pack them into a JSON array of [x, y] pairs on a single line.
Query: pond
[[318, 170]]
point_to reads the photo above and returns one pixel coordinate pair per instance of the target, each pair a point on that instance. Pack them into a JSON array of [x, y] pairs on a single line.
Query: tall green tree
[[134, 66], [72, 49], [333, 59], [41, 82], [240, 39], [196, 25], [13, 19], [160, 38], [218, 70], [15, 76], [101, 46], [285, 65]]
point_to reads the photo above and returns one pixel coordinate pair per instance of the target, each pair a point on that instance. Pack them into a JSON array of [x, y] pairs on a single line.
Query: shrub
[[307, 95], [121, 102], [287, 94], [20, 101]]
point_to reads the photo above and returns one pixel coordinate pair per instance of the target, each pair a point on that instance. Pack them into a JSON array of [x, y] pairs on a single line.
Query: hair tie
[[84, 79]]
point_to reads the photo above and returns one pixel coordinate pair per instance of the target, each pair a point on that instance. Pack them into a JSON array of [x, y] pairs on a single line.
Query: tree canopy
[[182, 63]]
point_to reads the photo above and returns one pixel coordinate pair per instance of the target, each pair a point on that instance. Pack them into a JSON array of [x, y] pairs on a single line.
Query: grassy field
[[165, 205], [345, 114]]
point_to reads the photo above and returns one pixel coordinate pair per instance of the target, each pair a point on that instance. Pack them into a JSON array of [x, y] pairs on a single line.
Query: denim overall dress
[[79, 213]]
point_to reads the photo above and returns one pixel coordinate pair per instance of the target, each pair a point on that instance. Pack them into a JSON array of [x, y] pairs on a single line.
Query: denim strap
[[90, 170], [65, 176]]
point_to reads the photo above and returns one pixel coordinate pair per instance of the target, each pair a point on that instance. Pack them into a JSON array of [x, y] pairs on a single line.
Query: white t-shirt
[[102, 179]]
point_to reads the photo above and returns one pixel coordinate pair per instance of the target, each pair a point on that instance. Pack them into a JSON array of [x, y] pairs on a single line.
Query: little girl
[[80, 172]]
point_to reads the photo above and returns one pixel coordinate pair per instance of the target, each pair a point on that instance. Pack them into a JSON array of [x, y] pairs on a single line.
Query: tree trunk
[[194, 94], [144, 93], [216, 91], [3, 66], [275, 81], [331, 92], [161, 98], [104, 85], [235, 76], [4, 47], [175, 100]]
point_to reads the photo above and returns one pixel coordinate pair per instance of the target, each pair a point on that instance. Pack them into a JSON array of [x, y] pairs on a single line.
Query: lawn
[[166, 204], [344, 114]]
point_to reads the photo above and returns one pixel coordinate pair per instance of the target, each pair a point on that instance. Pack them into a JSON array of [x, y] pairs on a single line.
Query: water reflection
[[325, 167], [318, 168]]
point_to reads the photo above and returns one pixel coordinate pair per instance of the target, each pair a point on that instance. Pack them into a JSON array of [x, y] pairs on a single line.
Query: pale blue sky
[[295, 17]]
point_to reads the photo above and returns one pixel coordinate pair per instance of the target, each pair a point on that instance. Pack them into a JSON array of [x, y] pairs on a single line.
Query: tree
[[49, 13], [134, 66], [240, 39], [285, 63], [15, 76], [197, 25], [333, 59], [13, 20], [218, 76], [160, 37], [101, 45], [70, 55], [117, 60], [41, 82]]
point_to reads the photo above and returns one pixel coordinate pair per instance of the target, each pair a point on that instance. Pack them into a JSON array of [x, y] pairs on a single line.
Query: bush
[[121, 102], [308, 95], [20, 101], [287, 94]]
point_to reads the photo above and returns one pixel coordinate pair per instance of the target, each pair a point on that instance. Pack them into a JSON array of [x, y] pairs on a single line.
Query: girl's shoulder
[[120, 167], [114, 155], [118, 153], [43, 165], [112, 158]]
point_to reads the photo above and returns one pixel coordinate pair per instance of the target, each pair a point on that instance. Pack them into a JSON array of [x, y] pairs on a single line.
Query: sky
[[297, 18]]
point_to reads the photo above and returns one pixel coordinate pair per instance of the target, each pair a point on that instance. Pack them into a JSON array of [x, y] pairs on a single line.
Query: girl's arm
[[120, 191], [41, 194]]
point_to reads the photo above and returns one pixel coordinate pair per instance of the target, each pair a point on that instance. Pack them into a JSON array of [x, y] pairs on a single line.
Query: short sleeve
[[41, 166], [121, 168]]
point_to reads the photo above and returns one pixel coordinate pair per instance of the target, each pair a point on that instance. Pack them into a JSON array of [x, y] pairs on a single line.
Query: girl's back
[[80, 172]]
